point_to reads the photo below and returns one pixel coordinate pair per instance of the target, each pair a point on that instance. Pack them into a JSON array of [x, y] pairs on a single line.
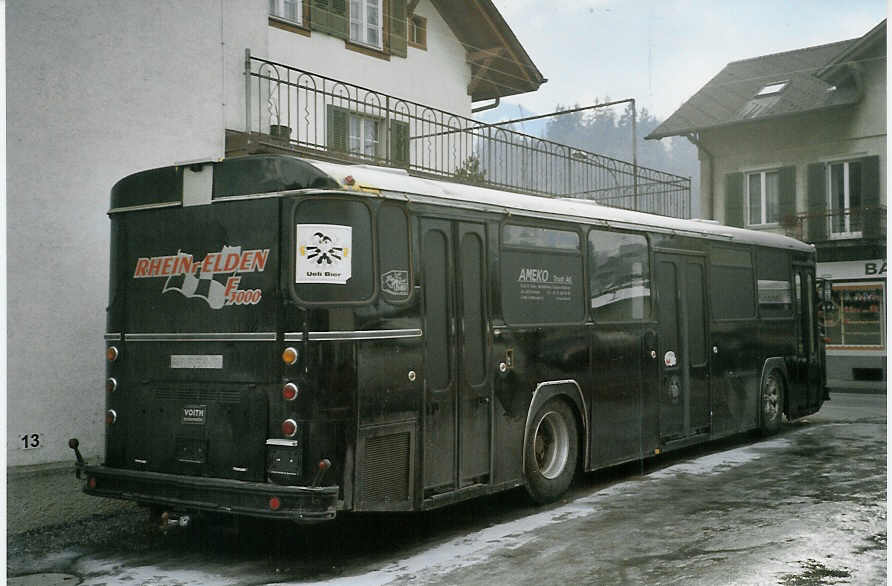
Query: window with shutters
[[844, 191], [366, 23], [289, 10], [364, 135], [418, 32], [762, 197]]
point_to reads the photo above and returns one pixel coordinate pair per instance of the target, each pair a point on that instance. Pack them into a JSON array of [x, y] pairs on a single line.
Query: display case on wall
[[856, 318]]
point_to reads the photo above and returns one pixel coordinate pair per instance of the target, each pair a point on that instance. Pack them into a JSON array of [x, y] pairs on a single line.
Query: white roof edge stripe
[[560, 208]]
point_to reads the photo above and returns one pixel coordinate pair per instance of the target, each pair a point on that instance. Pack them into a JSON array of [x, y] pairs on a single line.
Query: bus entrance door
[[684, 385], [806, 366], [458, 388]]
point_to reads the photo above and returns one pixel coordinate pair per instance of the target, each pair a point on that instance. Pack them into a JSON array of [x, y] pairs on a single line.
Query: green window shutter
[[870, 197], [399, 143], [734, 199], [817, 202], [786, 204], [329, 17], [337, 129], [398, 27]]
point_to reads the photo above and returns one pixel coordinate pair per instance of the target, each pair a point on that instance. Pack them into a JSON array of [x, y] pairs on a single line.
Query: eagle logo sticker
[[323, 254]]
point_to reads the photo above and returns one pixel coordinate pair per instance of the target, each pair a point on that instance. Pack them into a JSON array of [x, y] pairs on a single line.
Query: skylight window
[[772, 88]]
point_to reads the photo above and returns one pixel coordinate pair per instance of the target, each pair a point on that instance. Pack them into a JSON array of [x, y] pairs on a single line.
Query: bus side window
[[541, 276], [393, 253], [773, 283], [619, 276], [798, 291], [732, 283]]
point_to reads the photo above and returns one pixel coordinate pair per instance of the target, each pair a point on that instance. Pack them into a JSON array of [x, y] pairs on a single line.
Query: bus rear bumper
[[302, 504]]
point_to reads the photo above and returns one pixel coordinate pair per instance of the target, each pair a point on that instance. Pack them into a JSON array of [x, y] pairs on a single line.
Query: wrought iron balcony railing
[[839, 224], [322, 117]]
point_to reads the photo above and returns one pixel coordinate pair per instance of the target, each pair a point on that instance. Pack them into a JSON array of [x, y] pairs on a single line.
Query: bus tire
[[552, 448], [771, 402]]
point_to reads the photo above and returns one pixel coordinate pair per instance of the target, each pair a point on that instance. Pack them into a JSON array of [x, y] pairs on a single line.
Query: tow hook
[[172, 520], [80, 464]]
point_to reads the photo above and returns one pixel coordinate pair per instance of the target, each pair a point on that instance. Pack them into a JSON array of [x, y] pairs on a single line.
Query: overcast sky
[[661, 52]]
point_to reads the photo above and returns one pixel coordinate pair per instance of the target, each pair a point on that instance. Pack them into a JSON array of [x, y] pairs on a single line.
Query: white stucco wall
[[97, 89], [435, 77]]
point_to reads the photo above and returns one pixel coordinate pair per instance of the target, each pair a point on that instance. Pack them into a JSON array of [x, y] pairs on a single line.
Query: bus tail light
[[91, 482], [111, 384], [274, 503], [289, 355], [110, 417], [289, 392], [111, 353], [289, 428]]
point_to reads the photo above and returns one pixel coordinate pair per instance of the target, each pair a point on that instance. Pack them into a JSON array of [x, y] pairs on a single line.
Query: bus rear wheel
[[772, 403], [552, 448]]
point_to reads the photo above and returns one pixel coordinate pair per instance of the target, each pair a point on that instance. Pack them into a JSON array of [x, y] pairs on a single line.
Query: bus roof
[[399, 183]]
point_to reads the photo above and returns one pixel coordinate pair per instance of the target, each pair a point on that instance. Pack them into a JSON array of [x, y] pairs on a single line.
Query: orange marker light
[[111, 353], [289, 356], [110, 417], [111, 384]]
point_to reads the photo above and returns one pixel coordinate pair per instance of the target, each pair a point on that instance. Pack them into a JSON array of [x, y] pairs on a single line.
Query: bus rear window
[[333, 251]]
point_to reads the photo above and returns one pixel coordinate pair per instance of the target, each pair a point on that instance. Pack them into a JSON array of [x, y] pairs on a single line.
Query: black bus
[[291, 338]]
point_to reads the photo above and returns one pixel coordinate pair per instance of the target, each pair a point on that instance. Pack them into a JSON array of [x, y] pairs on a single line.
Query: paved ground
[[805, 507]]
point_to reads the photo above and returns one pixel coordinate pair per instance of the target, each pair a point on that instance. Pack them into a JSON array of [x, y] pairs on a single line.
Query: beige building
[[795, 143]]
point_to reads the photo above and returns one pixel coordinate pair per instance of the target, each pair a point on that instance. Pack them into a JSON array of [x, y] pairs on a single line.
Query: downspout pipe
[[710, 213]]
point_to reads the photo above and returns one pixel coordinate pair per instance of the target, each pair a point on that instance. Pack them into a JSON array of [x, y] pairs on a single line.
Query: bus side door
[[457, 421], [684, 383], [807, 375]]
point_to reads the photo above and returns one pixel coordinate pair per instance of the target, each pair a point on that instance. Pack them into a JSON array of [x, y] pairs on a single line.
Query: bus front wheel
[[772, 401], [551, 451]]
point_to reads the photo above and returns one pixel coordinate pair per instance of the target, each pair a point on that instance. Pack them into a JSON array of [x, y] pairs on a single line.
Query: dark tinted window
[[333, 251], [619, 276], [542, 287], [434, 259], [532, 237], [773, 283], [732, 293], [393, 252]]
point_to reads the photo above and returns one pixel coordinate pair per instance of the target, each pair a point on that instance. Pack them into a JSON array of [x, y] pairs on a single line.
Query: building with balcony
[[100, 90], [795, 143]]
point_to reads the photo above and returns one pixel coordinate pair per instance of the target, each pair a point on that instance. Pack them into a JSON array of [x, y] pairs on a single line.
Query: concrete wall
[[97, 89]]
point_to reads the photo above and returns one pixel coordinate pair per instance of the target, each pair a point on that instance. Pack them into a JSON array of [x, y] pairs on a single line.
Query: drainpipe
[[495, 104], [706, 213]]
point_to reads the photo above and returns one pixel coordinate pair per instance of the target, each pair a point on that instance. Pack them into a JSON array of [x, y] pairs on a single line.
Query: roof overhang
[[500, 66]]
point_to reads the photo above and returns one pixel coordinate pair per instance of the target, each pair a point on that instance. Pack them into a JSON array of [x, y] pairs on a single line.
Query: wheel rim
[[552, 445], [771, 399]]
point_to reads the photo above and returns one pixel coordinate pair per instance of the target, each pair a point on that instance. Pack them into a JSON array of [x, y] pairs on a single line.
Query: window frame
[[300, 21], [763, 199], [416, 22], [363, 23], [649, 308], [848, 233], [579, 253]]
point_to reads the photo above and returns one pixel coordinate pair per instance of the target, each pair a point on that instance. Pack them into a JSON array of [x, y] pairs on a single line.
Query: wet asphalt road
[[807, 506]]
